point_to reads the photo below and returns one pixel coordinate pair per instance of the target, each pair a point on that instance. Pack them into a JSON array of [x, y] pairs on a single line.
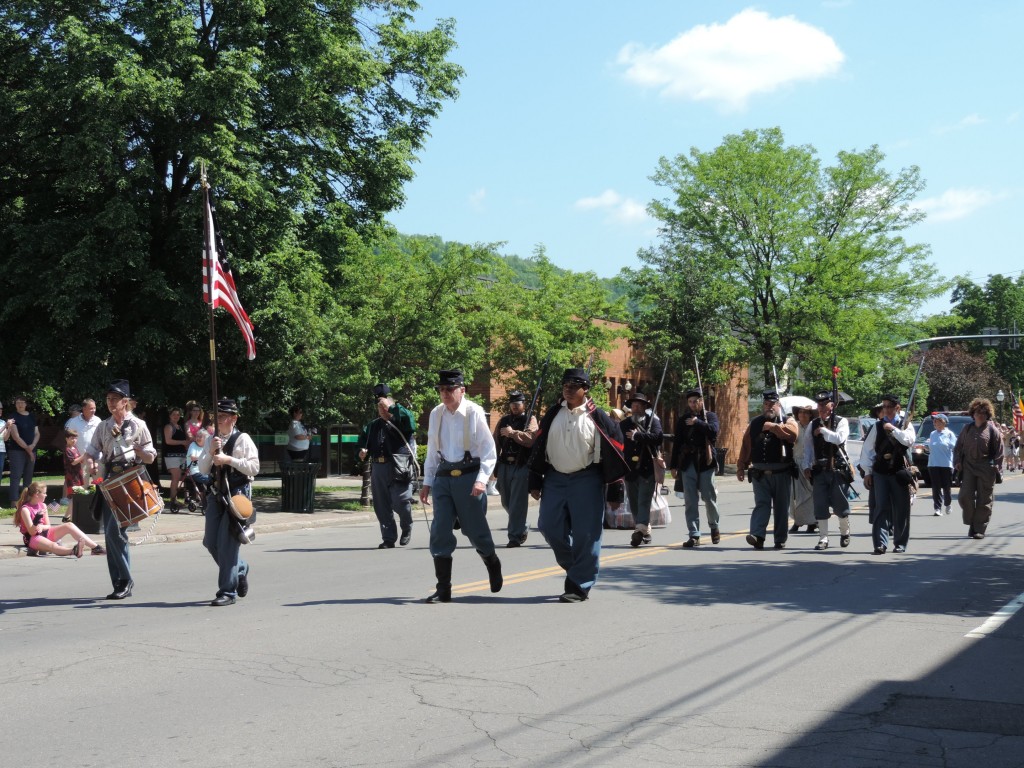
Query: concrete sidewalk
[[186, 526]]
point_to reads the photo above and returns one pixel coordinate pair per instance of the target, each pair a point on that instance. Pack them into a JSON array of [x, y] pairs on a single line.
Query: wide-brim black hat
[[576, 376], [639, 397], [450, 378], [120, 387]]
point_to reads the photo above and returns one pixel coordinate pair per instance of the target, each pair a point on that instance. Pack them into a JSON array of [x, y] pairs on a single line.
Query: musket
[[536, 392], [775, 375], [913, 393], [704, 411], [835, 404], [660, 385]]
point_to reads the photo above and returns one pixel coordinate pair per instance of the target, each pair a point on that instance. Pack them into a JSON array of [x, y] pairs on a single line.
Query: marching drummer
[[119, 443], [234, 460]]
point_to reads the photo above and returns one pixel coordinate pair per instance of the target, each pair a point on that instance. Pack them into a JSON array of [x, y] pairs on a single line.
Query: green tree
[[793, 260], [309, 115], [551, 312], [999, 303]]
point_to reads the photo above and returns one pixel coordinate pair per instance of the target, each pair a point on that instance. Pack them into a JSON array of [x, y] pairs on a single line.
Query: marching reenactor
[[643, 434], [767, 455], [693, 464], [824, 463], [514, 437]]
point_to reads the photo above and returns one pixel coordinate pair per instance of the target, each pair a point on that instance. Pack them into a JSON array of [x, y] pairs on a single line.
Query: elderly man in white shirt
[[85, 424], [460, 459]]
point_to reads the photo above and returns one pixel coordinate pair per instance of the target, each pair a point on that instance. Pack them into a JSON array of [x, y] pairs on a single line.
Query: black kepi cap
[[381, 390], [770, 395], [227, 405], [576, 376], [693, 392], [120, 387], [515, 396], [450, 378], [891, 398], [825, 396]]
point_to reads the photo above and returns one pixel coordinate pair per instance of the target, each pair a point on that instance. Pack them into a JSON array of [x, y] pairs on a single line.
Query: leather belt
[[381, 459], [591, 468]]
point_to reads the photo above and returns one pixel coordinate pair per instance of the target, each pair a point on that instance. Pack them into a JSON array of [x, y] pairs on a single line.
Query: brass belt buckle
[[456, 473]]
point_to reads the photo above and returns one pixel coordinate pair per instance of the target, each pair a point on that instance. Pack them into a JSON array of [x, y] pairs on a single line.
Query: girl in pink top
[[39, 536]]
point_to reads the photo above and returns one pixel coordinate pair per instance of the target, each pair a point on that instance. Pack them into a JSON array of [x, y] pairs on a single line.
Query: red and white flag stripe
[[223, 293]]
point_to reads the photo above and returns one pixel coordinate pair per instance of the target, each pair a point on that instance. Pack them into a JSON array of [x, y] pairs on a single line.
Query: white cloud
[[954, 204], [751, 53], [619, 208], [477, 198], [970, 121]]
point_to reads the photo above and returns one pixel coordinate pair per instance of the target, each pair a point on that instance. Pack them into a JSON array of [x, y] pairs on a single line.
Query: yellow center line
[[543, 573]]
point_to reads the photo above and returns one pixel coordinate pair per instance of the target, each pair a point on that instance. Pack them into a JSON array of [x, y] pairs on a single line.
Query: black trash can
[[720, 460], [81, 511], [298, 484]]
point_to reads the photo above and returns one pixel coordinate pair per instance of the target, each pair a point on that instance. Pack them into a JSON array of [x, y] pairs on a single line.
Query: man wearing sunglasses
[[576, 463]]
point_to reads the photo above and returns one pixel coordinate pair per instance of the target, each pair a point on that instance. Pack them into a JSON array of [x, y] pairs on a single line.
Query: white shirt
[[244, 456], [904, 437], [83, 428], [294, 442], [572, 442], [839, 437], [446, 436]]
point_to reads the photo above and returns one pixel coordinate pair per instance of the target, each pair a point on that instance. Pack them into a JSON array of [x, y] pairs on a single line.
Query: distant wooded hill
[[524, 269]]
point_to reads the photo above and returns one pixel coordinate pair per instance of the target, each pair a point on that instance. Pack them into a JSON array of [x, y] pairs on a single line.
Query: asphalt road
[[720, 656]]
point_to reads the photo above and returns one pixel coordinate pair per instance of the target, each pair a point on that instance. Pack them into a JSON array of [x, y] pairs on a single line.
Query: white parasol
[[795, 401]]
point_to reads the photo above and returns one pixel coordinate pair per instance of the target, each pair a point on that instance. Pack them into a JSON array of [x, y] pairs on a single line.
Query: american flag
[[223, 293], [1018, 413]]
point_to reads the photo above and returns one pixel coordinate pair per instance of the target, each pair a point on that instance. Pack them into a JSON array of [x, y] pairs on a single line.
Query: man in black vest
[[693, 465], [384, 437], [577, 462], [824, 456], [514, 436], [237, 462], [887, 473], [643, 435], [767, 452]]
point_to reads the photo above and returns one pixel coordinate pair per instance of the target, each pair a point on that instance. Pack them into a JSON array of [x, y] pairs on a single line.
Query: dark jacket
[[613, 463], [640, 451], [690, 442]]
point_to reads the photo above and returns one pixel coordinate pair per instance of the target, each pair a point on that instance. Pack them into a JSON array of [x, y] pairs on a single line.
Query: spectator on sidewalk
[[85, 424], [21, 447], [33, 520]]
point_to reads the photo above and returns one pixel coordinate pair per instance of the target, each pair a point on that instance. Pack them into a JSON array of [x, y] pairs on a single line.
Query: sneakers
[[690, 543], [406, 537], [822, 544], [243, 585], [899, 549], [98, 550], [716, 536], [947, 509], [636, 539], [647, 538], [938, 512], [757, 542], [844, 541]]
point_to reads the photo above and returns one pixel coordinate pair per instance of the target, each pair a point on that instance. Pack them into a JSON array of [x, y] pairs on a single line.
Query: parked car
[[920, 451]]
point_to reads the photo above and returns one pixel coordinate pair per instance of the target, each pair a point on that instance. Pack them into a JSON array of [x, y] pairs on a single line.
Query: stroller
[[196, 485]]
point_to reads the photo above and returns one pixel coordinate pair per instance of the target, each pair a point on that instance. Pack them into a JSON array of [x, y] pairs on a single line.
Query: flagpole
[[208, 245]]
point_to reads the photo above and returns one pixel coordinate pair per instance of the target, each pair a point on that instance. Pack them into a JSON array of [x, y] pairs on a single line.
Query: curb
[[19, 550]]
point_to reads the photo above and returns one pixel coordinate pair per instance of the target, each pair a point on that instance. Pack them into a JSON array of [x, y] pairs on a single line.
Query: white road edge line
[[997, 619]]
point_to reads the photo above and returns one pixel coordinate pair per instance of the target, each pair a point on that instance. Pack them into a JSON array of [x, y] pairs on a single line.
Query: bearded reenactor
[[514, 437], [643, 434], [693, 464], [767, 452]]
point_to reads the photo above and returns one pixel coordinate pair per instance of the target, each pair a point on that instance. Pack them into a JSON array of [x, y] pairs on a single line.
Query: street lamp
[[1000, 396]]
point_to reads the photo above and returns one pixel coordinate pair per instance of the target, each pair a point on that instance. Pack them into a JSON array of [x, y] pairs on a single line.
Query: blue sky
[[567, 106]]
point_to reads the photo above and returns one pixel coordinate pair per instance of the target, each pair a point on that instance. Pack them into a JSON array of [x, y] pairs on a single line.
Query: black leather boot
[[443, 571], [494, 571]]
